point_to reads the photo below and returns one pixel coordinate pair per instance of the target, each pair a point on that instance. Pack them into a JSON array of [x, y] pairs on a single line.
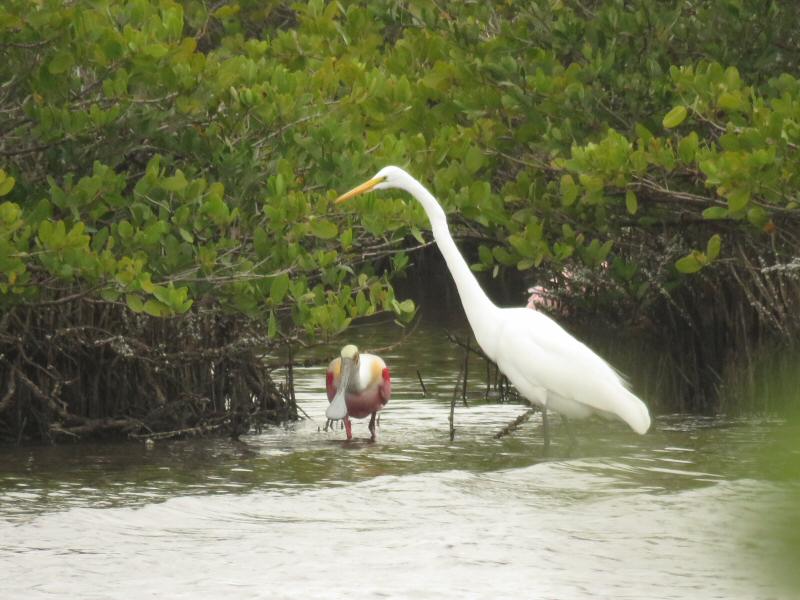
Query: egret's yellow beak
[[361, 189]]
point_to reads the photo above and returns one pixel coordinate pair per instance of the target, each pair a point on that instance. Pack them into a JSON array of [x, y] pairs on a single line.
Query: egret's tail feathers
[[337, 409], [634, 412]]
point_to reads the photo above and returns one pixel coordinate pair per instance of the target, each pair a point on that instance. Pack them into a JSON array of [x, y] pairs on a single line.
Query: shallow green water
[[691, 510]]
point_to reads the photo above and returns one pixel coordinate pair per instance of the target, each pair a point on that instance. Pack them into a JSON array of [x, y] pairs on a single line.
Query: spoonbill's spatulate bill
[[547, 365], [358, 385]]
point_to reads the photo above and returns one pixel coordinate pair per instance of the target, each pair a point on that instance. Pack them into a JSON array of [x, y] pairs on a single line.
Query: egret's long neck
[[480, 310]]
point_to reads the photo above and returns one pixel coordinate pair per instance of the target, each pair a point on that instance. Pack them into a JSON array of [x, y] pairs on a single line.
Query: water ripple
[[295, 512]]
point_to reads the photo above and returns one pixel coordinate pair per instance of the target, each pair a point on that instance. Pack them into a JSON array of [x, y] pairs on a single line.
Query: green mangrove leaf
[[6, 183], [713, 247], [691, 263], [674, 117], [134, 302], [715, 212], [324, 229], [278, 288], [631, 202], [738, 199]]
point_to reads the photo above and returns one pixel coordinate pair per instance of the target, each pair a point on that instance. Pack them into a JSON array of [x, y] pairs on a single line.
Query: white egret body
[[547, 365]]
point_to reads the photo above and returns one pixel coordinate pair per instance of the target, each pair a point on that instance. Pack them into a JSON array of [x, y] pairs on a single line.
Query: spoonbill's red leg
[[348, 428]]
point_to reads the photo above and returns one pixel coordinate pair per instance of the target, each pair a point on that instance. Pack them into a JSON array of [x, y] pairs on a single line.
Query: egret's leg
[[545, 429], [348, 427], [570, 431], [372, 427]]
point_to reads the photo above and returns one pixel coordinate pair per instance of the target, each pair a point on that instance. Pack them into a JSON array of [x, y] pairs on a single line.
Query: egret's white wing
[[537, 354]]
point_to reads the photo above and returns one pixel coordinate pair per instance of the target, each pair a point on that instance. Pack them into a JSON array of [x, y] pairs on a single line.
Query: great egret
[[547, 365], [358, 385]]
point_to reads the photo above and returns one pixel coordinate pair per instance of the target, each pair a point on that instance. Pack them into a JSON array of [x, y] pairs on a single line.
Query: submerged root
[[514, 425]]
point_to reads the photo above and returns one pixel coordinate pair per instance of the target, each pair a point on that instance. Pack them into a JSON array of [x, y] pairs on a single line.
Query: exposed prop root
[[494, 378], [422, 384], [453, 404], [82, 368]]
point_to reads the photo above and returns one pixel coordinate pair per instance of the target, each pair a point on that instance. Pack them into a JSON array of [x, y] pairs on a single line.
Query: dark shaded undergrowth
[[76, 369]]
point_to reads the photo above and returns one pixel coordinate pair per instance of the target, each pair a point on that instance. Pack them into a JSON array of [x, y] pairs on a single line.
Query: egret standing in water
[[358, 385], [547, 365]]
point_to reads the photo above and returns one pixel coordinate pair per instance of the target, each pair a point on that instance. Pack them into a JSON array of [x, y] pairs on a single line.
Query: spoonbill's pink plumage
[[358, 385]]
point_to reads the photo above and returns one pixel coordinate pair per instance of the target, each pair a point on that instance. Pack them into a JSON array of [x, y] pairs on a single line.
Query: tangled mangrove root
[[709, 334], [78, 368]]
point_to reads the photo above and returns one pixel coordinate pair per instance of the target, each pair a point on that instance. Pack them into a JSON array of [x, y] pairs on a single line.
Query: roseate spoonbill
[[547, 365], [358, 385]]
